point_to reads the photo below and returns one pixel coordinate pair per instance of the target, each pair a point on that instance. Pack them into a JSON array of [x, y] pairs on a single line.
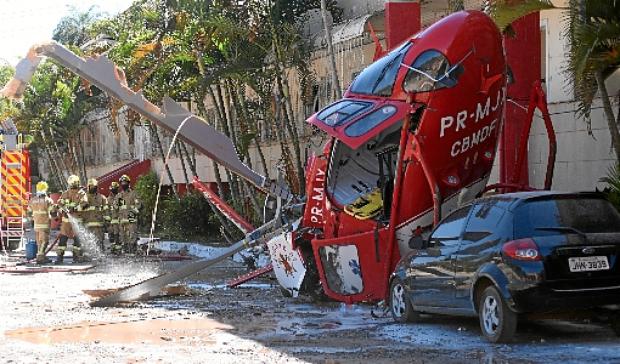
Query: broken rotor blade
[[152, 287], [104, 74]]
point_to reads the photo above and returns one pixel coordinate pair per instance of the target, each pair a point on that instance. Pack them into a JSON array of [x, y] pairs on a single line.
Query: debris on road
[[168, 291]]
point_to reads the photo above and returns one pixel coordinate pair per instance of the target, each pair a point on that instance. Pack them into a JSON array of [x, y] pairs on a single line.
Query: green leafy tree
[[593, 30], [73, 28]]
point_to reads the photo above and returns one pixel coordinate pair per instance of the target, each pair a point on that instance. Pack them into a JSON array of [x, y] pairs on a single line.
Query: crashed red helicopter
[[415, 136]]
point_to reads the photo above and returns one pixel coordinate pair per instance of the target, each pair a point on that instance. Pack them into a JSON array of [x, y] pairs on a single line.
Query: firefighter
[[95, 208], [128, 208], [42, 208], [112, 219], [71, 203]]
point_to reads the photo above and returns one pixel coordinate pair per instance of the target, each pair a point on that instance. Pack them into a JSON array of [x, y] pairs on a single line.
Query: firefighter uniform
[[111, 218], [71, 202], [41, 207], [128, 208], [95, 207]]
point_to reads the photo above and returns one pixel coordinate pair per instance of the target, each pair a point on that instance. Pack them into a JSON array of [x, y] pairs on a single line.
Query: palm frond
[[504, 12], [613, 181], [593, 33]]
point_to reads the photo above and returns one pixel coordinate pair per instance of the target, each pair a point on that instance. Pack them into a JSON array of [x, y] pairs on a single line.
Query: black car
[[510, 254]]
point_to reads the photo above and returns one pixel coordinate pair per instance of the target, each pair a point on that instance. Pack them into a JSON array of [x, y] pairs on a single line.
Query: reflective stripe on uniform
[[41, 226], [64, 219], [39, 212], [94, 224]]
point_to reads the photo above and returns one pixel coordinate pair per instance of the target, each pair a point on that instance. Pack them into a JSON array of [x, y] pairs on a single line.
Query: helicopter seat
[[367, 206]]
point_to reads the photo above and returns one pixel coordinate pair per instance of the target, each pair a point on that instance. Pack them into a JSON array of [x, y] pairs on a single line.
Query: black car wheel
[[400, 305], [497, 322]]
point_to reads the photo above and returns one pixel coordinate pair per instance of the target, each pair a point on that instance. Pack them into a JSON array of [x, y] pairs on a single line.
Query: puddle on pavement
[[125, 332]]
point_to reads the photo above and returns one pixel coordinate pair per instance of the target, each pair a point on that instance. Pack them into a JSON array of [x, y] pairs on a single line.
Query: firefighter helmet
[[73, 181], [92, 182], [114, 185], [124, 178], [42, 187]]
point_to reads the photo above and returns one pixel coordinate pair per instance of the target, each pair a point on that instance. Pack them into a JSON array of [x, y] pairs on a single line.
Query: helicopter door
[[352, 268]]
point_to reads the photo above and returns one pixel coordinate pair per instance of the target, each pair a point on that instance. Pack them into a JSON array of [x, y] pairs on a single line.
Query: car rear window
[[587, 215]]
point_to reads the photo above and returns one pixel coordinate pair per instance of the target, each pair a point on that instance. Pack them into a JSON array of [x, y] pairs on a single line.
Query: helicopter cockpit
[[361, 180]]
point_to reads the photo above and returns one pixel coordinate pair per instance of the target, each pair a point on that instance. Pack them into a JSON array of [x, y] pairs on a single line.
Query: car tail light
[[522, 249]]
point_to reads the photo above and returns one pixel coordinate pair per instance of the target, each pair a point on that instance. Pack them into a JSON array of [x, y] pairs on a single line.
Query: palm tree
[[72, 29], [593, 31]]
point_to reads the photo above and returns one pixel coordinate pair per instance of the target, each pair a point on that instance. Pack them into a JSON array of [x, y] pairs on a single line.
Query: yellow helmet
[[124, 178], [42, 187], [92, 182], [114, 184], [73, 181]]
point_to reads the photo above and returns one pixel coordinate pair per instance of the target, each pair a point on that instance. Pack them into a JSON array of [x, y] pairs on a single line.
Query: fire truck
[[14, 186]]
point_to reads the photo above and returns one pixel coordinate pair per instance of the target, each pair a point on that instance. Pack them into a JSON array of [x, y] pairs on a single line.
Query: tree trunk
[[58, 174], [163, 157], [251, 124], [292, 129], [249, 190], [225, 224], [336, 90], [76, 162], [202, 108], [288, 118], [190, 161], [609, 114], [218, 101], [235, 188], [59, 155], [261, 157], [183, 166], [82, 158]]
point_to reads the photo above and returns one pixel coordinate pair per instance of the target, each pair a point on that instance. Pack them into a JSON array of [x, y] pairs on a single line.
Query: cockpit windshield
[[378, 79]]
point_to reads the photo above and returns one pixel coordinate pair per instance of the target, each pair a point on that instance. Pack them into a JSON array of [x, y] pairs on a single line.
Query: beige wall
[[582, 159]]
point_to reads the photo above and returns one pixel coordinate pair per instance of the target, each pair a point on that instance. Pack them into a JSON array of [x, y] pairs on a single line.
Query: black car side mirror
[[416, 242]]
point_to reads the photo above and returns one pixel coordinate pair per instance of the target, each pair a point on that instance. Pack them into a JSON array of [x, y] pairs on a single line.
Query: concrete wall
[[355, 8], [582, 159]]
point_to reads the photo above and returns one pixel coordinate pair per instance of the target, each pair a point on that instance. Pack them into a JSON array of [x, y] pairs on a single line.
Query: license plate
[[588, 264]]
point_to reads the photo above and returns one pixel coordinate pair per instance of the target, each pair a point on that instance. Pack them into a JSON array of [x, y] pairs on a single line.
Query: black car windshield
[[378, 79], [565, 216]]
